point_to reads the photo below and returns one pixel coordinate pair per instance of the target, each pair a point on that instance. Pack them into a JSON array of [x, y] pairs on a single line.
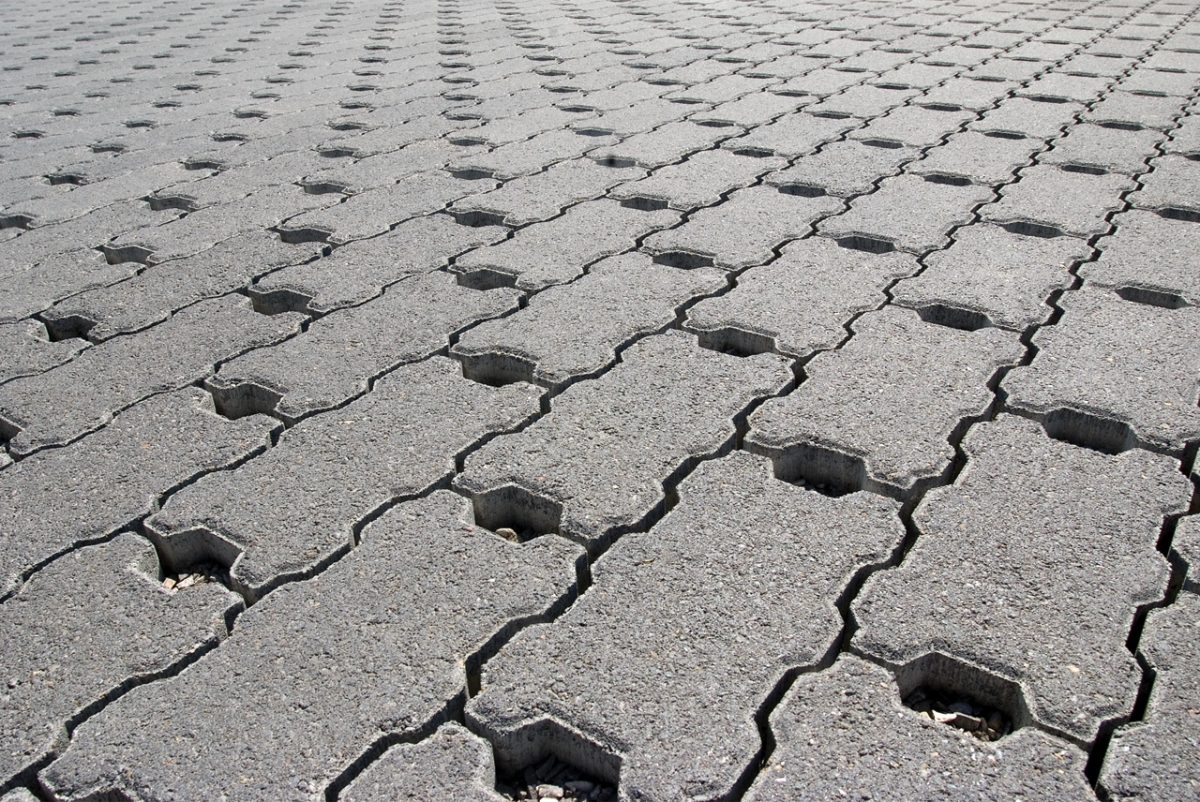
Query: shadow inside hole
[[244, 398], [486, 279], [497, 370], [1186, 215], [954, 318], [476, 218], [822, 470], [736, 342], [546, 748], [683, 259], [867, 244], [802, 190], [951, 180], [68, 327], [1149, 297], [517, 514], [276, 302], [185, 552], [963, 696], [643, 204], [1027, 228], [1089, 431]]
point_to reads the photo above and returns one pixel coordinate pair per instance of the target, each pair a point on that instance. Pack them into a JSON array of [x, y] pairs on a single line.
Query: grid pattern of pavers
[[599, 399]]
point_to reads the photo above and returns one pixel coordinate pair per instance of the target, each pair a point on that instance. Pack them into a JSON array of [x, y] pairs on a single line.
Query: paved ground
[[679, 399]]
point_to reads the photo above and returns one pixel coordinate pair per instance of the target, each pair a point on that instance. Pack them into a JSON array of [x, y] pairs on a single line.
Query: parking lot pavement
[[599, 399]]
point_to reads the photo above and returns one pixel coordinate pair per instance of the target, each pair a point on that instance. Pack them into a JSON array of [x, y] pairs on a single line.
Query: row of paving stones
[[500, 504]]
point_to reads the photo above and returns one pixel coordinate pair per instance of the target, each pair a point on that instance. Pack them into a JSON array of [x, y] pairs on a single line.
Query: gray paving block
[[1187, 546], [387, 138], [914, 126], [339, 355], [664, 145], [1151, 81], [792, 135], [558, 251], [865, 101], [878, 413], [107, 481], [319, 671], [1048, 200], [71, 640], [1059, 87], [530, 155], [968, 92], [1186, 138], [823, 82], [989, 276], [292, 510], [1155, 760], [908, 213], [702, 180], [28, 349], [1148, 257], [1039, 119], [634, 116], [799, 303], [360, 270], [843, 732], [502, 130], [843, 168], [752, 110], [594, 467], [668, 663], [36, 288], [1129, 108], [70, 202], [742, 231], [19, 795], [1114, 374], [451, 764], [572, 331], [157, 292], [1096, 147], [384, 169], [538, 197], [1173, 183], [992, 579], [977, 157], [377, 211], [55, 407]]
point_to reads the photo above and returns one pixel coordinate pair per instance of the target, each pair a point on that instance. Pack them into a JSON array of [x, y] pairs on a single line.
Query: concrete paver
[[300, 662], [670, 658], [853, 424], [1047, 199], [1004, 546], [1153, 760], [453, 763], [1147, 257]]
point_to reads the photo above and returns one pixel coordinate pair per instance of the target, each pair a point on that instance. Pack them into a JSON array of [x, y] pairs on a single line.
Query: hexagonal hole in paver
[[954, 317], [737, 342], [824, 470], [546, 753], [1150, 297], [963, 696], [497, 369], [517, 514], [244, 398], [554, 779], [1089, 431]]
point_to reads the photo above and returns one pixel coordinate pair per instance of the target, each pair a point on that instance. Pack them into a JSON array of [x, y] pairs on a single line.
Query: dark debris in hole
[[947, 707], [554, 779], [197, 575]]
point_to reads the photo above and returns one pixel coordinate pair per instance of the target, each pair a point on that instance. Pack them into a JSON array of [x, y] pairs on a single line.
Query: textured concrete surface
[[838, 356]]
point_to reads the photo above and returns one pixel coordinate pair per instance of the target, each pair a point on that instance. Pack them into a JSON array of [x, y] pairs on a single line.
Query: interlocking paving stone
[[574, 330], [909, 212], [914, 126], [891, 442], [28, 349], [1155, 760], [792, 135], [1149, 254], [108, 480], [994, 276], [452, 763], [1104, 148], [339, 354], [377, 211], [799, 303], [557, 251], [86, 601], [664, 145], [319, 670], [844, 169], [990, 579], [595, 465], [1171, 184], [757, 108], [360, 270], [538, 197], [656, 622], [530, 155], [294, 508], [1128, 108], [1187, 545], [865, 101], [978, 157], [386, 168], [1028, 117], [843, 731], [1186, 138], [57, 406], [744, 230], [699, 181], [36, 288], [1114, 373], [162, 289], [1069, 202]]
